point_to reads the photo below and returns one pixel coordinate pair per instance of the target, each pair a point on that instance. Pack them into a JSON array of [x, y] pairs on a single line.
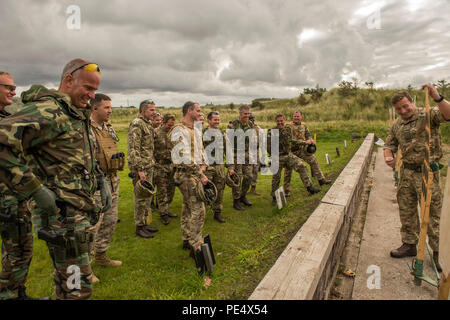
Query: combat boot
[[102, 259], [253, 191], [165, 219], [172, 215], [406, 250], [237, 204], [143, 233], [245, 201], [186, 245], [436, 261], [151, 229], [312, 190], [324, 181], [94, 279], [218, 217]]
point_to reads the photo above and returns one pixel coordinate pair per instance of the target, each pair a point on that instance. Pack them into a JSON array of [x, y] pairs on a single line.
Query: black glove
[[105, 194], [45, 200]]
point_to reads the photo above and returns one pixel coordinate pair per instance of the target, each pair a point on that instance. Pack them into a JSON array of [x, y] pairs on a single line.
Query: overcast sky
[[226, 51]]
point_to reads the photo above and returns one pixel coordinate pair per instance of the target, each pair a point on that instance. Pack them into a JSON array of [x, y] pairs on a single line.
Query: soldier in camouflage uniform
[[164, 169], [62, 175], [15, 222], [141, 161], [105, 143], [301, 134], [244, 170], [188, 174], [408, 134], [287, 159], [215, 171], [156, 120]]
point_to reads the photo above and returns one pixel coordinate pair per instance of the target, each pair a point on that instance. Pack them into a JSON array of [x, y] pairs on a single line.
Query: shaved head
[[72, 65]]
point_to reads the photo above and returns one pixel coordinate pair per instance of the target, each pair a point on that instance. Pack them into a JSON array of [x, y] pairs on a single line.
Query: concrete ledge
[[307, 266]]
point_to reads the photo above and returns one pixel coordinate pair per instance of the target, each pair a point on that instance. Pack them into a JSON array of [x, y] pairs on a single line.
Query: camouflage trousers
[[142, 211], [70, 252], [255, 171], [290, 162], [246, 172], [311, 160], [106, 225], [408, 197], [216, 174], [17, 251], [165, 187], [192, 210]]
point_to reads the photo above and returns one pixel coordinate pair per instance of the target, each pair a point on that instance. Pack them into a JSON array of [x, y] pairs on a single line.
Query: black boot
[[237, 204], [406, 250], [23, 295], [436, 261], [312, 190], [274, 201], [324, 181], [165, 219], [186, 245], [245, 201], [218, 217]]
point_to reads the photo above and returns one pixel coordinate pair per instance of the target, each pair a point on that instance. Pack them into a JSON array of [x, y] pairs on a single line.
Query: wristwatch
[[440, 99]]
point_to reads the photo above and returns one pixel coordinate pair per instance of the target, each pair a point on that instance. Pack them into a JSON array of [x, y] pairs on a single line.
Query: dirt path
[[374, 233]]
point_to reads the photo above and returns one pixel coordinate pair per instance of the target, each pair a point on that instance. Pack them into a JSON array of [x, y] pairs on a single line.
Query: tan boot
[[94, 279], [101, 259], [253, 191]]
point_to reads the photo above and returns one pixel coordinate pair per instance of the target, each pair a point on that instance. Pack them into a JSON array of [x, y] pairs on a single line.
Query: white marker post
[[328, 158], [345, 143]]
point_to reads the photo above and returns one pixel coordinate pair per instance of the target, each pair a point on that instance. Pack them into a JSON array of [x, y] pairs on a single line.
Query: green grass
[[246, 246]]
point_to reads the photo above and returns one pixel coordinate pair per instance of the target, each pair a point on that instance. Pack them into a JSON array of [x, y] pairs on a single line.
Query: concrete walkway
[[381, 235]]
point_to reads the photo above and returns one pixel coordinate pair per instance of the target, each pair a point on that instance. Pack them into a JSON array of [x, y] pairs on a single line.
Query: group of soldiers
[[59, 164]]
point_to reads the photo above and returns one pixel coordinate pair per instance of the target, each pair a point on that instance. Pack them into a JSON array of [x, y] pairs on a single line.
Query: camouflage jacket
[[55, 134], [284, 140], [236, 124], [6, 196], [196, 158], [220, 145], [141, 138], [410, 136], [162, 150], [300, 134]]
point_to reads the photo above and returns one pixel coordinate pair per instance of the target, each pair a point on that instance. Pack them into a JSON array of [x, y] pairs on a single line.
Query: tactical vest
[[108, 155]]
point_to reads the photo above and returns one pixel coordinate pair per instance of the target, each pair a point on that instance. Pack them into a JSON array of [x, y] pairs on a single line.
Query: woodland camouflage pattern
[[17, 242], [410, 136]]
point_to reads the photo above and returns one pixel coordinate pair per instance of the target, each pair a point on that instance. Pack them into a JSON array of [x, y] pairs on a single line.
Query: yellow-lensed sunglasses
[[88, 67]]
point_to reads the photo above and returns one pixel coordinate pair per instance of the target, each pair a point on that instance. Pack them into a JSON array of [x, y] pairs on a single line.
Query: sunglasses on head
[[88, 67], [9, 87], [156, 115]]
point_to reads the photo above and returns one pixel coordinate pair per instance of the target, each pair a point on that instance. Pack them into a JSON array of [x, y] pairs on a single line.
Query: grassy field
[[246, 246]]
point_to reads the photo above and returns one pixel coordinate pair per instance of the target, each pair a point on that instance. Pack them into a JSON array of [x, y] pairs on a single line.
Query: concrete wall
[[307, 266]]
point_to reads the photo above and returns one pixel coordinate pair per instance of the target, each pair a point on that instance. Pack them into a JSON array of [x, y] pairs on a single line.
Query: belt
[[414, 167]]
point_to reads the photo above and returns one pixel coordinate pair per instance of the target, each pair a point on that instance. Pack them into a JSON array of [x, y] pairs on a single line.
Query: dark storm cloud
[[226, 50]]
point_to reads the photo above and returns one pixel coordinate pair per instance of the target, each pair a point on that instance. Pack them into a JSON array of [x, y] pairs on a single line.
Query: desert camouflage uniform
[[216, 174], [17, 242], [56, 134], [164, 171], [141, 137], [409, 136], [106, 226], [188, 176], [300, 134], [287, 160], [244, 170]]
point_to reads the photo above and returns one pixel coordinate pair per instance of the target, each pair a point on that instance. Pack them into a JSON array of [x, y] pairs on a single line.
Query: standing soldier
[[110, 160], [407, 133], [15, 222], [287, 160], [243, 170], [61, 176], [164, 169], [216, 171], [256, 167], [140, 163], [301, 139], [187, 175]]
